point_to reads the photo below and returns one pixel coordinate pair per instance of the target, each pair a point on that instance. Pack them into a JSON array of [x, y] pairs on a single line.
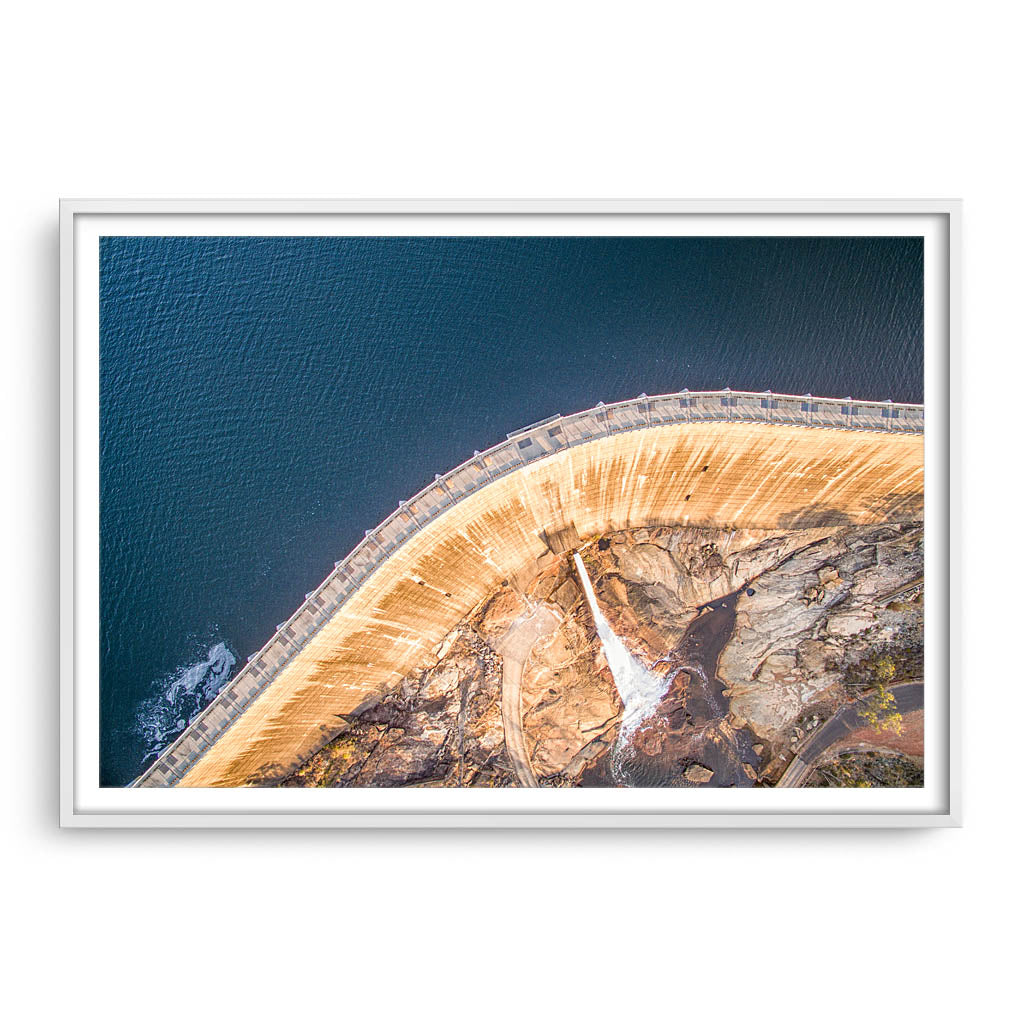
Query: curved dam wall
[[724, 459]]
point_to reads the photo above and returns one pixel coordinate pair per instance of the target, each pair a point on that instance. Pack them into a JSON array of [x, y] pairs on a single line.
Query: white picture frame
[[84, 804]]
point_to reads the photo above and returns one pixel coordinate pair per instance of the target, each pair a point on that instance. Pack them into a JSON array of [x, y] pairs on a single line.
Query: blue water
[[266, 400]]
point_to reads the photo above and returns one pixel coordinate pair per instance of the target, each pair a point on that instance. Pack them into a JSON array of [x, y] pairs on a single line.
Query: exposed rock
[[698, 774], [849, 622], [566, 595], [650, 741], [809, 604], [568, 696], [499, 613], [813, 656], [444, 647], [785, 653], [648, 564], [777, 666], [443, 728]]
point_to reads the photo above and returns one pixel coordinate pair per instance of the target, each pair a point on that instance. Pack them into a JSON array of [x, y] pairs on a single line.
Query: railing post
[[257, 670], [481, 465], [444, 487], [647, 407], [371, 536], [287, 640]]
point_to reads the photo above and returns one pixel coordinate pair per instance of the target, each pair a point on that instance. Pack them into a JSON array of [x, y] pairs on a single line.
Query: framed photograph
[[509, 514]]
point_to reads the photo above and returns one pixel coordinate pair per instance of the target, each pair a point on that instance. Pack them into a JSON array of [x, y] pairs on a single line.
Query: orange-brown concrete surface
[[756, 475]]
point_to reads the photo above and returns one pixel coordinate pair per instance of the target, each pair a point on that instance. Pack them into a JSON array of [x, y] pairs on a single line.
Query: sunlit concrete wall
[[714, 474]]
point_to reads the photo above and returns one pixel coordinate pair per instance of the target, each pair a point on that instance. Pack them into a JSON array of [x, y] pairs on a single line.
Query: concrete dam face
[[724, 460]]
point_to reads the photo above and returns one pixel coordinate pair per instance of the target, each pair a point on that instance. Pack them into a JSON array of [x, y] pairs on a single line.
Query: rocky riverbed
[[755, 633]]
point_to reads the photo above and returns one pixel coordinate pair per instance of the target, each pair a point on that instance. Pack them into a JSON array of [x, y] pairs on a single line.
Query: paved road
[[909, 697]]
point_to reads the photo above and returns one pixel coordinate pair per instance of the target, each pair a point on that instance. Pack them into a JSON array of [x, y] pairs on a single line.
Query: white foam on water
[[641, 689], [180, 696]]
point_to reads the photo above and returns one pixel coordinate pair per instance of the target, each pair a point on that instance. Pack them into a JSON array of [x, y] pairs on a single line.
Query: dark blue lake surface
[[264, 401]]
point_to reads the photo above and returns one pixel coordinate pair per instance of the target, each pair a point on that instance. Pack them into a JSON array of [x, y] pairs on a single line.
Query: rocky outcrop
[[812, 616], [698, 774], [443, 728], [755, 630]]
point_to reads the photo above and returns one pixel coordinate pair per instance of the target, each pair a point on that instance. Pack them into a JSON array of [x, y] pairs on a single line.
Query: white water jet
[[641, 689]]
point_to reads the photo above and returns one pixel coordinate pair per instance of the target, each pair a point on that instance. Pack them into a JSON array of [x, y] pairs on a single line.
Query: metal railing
[[521, 448]]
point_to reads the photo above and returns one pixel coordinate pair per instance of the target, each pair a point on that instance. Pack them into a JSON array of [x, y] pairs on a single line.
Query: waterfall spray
[[641, 690]]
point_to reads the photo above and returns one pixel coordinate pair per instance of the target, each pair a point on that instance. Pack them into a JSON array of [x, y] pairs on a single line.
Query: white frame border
[[942, 435]]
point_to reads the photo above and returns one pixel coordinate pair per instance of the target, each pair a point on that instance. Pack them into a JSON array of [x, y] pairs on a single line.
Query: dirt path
[[512, 721], [514, 649]]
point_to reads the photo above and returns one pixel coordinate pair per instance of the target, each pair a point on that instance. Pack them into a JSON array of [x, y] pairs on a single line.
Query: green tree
[[879, 704]]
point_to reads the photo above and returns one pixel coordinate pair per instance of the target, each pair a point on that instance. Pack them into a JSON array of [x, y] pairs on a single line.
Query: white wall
[[876, 99]]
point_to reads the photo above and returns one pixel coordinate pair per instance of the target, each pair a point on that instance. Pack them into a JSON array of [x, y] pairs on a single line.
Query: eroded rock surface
[[442, 728], [814, 615], [754, 630]]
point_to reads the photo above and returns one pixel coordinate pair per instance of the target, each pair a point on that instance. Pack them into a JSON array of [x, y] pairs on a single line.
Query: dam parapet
[[522, 448]]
